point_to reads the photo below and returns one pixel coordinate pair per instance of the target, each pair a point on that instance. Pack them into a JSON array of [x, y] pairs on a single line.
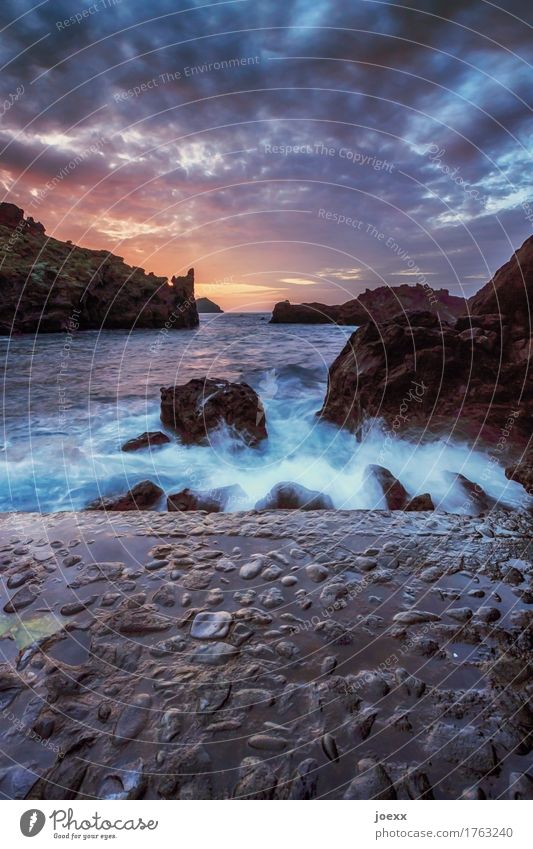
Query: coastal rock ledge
[[48, 286], [420, 375]]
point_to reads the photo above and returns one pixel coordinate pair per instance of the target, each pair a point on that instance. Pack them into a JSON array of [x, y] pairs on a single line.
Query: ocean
[[71, 401]]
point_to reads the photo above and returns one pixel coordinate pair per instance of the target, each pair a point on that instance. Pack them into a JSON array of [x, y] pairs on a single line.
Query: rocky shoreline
[[49, 286], [275, 655]]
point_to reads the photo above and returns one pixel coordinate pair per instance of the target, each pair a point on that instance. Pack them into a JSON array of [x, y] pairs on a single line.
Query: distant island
[[372, 305], [206, 305]]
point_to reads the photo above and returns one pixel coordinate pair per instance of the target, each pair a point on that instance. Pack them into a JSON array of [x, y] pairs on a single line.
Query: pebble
[[488, 614], [250, 570], [365, 564], [267, 742], [271, 573], [316, 573], [415, 617], [211, 625], [289, 580], [271, 598]]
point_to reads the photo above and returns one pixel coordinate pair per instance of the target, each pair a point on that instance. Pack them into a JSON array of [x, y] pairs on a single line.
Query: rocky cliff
[[45, 284], [372, 305], [418, 373]]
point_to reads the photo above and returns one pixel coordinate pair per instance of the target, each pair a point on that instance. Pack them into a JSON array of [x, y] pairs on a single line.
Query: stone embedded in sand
[[488, 614], [148, 439], [133, 719], [213, 654], [394, 492], [142, 496], [211, 625], [271, 573], [250, 570], [22, 599], [198, 407], [365, 564], [316, 573], [460, 614], [461, 745], [271, 598], [373, 782], [292, 496], [212, 500], [415, 617], [267, 742]]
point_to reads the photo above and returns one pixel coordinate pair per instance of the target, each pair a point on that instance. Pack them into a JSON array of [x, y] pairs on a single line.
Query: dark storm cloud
[[440, 93]]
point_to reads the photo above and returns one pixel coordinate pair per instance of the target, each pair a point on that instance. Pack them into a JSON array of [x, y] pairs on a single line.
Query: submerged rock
[[212, 500], [292, 496], [420, 503], [142, 496], [146, 440], [197, 408]]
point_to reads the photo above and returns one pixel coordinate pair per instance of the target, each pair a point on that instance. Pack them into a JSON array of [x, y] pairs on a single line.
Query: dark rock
[[198, 407], [373, 782], [22, 599], [256, 780], [146, 440], [420, 503], [211, 500], [142, 496], [50, 286], [415, 369], [522, 471], [476, 499], [292, 496], [395, 493], [133, 719]]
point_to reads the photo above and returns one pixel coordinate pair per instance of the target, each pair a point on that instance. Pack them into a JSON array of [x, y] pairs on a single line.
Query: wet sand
[[276, 655]]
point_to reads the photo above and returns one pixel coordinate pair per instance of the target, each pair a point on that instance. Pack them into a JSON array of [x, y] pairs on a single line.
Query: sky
[[284, 149]]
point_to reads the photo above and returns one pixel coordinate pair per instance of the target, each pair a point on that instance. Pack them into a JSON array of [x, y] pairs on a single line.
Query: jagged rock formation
[[47, 286], [197, 408], [206, 305], [474, 378], [373, 305]]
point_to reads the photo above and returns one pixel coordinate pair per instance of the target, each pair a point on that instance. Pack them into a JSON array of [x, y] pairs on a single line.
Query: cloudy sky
[[285, 149]]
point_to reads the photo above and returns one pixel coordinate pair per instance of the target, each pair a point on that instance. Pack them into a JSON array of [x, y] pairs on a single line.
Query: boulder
[[476, 500], [196, 408], [419, 373], [395, 493], [212, 500], [420, 503], [146, 440], [142, 496], [292, 496], [522, 471]]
